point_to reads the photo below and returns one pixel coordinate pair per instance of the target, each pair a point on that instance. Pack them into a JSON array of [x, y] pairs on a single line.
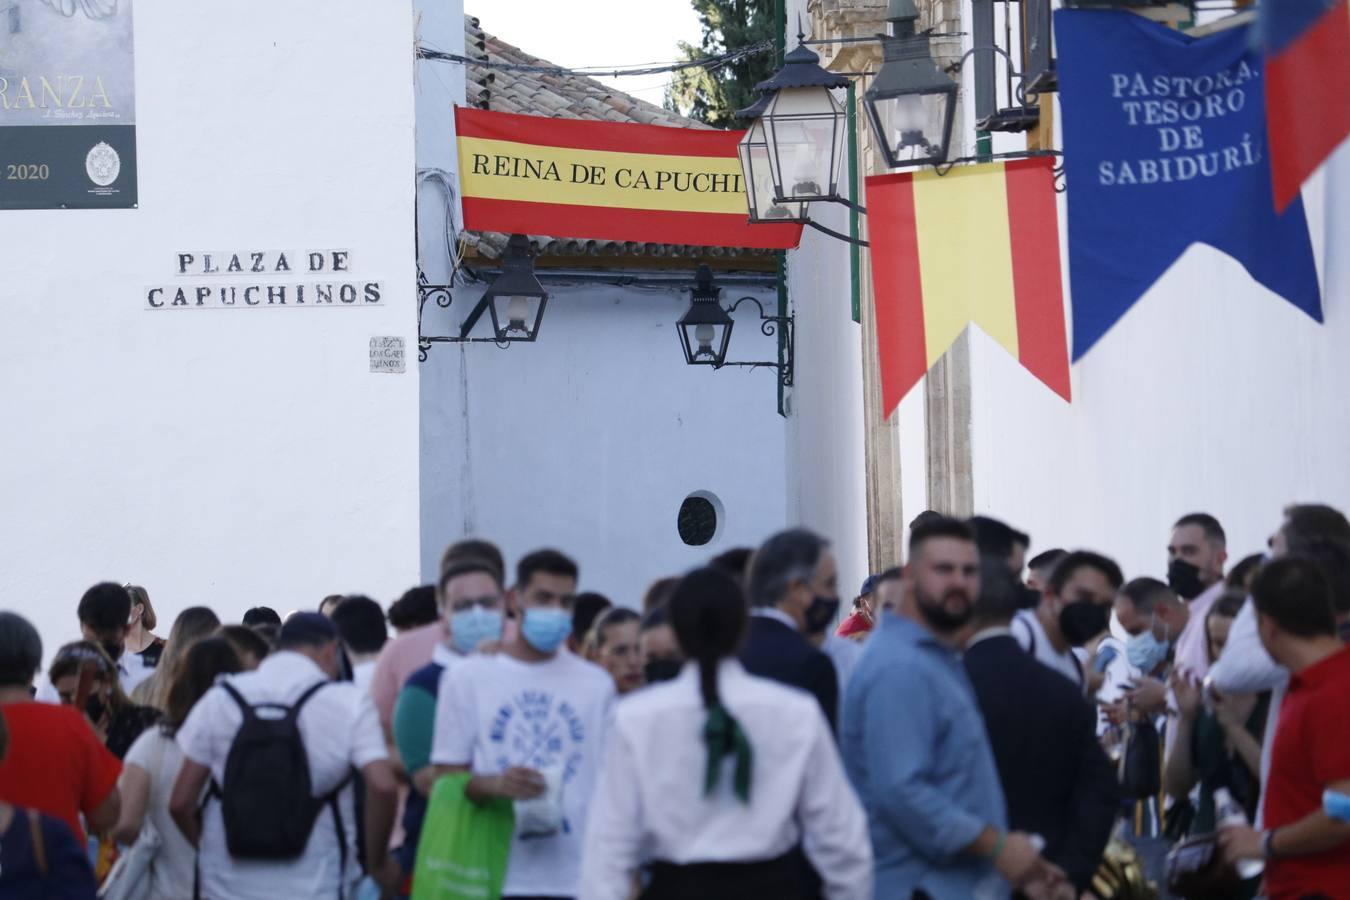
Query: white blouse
[[649, 803]]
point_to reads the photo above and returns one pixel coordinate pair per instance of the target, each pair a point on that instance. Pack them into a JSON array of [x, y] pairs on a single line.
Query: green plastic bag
[[464, 847]]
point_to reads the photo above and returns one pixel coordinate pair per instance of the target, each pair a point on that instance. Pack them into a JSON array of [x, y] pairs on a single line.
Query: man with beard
[[1195, 557], [916, 749], [1075, 607]]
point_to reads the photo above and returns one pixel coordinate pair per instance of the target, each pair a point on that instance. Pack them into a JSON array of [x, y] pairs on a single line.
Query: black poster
[[67, 105]]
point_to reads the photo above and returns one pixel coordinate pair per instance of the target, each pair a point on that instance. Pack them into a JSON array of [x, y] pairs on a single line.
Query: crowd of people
[[977, 726]]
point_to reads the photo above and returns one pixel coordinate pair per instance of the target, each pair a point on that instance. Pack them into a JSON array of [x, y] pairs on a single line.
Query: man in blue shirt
[[916, 749]]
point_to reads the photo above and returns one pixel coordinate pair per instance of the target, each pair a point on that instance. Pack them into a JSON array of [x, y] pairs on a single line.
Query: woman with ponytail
[[719, 784]]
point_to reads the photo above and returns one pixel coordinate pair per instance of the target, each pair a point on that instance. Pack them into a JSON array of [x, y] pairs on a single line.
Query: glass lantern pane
[[516, 315], [804, 128], [704, 341], [759, 189], [913, 124]]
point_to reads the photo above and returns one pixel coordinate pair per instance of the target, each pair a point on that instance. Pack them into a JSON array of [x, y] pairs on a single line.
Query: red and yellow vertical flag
[[979, 245]]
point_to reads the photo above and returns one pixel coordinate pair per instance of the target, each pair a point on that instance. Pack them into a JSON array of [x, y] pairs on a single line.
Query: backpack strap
[[1030, 633], [304, 698], [39, 845], [341, 832]]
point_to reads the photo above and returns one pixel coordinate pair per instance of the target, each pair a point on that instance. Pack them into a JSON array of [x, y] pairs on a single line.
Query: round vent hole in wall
[[700, 518]]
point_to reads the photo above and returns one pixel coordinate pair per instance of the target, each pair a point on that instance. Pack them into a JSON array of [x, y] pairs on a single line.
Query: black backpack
[[268, 803]]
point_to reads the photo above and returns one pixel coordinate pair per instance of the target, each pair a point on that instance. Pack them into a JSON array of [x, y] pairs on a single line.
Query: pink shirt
[[1192, 645], [400, 658]]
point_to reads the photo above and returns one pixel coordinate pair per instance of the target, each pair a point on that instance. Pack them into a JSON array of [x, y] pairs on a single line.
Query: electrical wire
[[710, 63], [454, 249]]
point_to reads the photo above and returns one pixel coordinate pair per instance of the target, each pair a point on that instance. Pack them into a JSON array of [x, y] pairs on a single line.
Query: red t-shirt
[[1312, 750], [55, 763]]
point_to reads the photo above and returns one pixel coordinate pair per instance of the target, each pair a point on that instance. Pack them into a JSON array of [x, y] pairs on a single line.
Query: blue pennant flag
[[1164, 146]]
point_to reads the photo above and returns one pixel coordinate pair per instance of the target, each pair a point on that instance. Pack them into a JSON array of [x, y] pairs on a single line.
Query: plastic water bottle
[[1228, 812]]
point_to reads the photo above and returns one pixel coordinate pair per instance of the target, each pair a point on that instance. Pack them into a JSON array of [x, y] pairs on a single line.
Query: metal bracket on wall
[[769, 326]]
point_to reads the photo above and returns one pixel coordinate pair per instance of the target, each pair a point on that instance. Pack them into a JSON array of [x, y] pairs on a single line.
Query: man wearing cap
[[341, 733], [859, 622]]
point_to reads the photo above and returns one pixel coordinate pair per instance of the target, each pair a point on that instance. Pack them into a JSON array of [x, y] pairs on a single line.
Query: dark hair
[[261, 615], [549, 562], [1294, 592], [939, 527], [1047, 558], [1226, 606], [1000, 593], [709, 615], [1078, 559], [1306, 522], [416, 607], [20, 650], [105, 607], [995, 538], [585, 610], [196, 673], [331, 599], [619, 615], [788, 556], [658, 593], [924, 518], [246, 641], [1208, 524], [360, 623], [474, 548], [1241, 574], [1333, 558], [306, 629], [1146, 593], [735, 562], [468, 565], [657, 617], [73, 656]]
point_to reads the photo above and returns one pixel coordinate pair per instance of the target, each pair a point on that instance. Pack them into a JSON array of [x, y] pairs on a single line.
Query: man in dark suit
[[793, 590], [1057, 781]]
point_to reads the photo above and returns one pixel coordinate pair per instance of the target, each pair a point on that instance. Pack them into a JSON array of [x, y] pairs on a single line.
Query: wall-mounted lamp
[[515, 302], [705, 330]]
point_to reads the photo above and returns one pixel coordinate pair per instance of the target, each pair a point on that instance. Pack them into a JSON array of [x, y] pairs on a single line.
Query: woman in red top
[[55, 764]]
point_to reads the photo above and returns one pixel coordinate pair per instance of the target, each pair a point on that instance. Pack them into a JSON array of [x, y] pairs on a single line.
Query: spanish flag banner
[[979, 245], [607, 181]]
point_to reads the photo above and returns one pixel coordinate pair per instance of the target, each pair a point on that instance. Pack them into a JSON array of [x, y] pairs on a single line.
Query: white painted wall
[[590, 438], [1211, 394], [226, 457]]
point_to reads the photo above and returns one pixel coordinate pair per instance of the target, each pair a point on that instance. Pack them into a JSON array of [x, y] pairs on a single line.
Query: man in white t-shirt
[[1075, 607], [529, 722], [341, 734]]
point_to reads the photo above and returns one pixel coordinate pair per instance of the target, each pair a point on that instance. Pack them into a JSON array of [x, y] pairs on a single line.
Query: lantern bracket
[[857, 242], [770, 326]]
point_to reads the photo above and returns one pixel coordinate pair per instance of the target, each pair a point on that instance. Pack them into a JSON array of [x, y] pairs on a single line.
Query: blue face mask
[[545, 629], [471, 627], [1145, 652]]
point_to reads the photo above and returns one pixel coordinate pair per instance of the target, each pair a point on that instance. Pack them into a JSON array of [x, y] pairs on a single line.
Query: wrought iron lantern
[[760, 193], [705, 328], [516, 299], [911, 102], [804, 129]]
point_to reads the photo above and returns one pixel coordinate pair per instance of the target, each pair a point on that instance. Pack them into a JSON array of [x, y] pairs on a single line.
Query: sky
[[596, 33]]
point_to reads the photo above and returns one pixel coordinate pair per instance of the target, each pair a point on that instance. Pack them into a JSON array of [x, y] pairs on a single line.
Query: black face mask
[[1081, 622], [113, 649], [821, 613], [95, 708], [657, 670], [1184, 578]]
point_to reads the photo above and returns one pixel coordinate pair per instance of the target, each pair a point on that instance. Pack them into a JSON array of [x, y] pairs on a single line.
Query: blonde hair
[[192, 625], [141, 596]]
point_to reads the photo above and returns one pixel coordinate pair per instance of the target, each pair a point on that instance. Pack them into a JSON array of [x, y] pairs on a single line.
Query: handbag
[[464, 848], [1141, 763], [129, 878], [1196, 870]]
